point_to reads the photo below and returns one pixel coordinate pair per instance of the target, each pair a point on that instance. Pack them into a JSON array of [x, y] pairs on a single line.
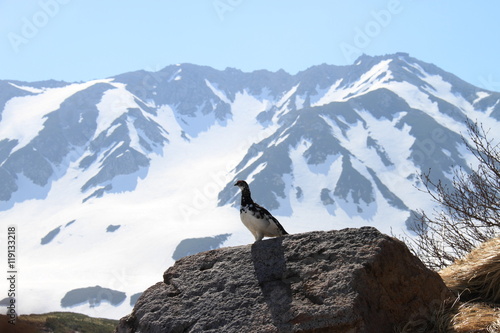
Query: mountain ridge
[[156, 154]]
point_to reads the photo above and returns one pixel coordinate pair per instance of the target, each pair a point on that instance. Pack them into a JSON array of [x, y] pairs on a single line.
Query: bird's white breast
[[259, 226], [252, 223]]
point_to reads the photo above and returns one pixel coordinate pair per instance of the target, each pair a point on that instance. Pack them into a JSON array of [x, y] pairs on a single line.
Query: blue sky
[[77, 40]]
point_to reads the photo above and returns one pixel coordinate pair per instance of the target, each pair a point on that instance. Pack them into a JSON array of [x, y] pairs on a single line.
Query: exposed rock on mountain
[[93, 296], [352, 280], [191, 246]]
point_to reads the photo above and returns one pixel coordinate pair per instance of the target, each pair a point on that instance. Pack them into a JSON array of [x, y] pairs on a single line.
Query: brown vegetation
[[57, 322], [477, 276], [475, 317], [475, 280]]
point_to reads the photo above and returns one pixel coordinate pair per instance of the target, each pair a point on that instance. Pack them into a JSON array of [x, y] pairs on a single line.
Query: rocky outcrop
[[352, 280]]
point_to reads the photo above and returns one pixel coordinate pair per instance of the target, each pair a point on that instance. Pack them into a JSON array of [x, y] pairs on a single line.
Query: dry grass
[[456, 317], [477, 276], [440, 321], [57, 322], [476, 317], [475, 280]]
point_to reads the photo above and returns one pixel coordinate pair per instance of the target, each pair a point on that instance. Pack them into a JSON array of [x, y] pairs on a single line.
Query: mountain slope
[[366, 134], [104, 179]]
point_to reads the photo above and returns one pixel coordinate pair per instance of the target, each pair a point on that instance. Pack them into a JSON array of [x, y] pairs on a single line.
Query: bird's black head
[[241, 184]]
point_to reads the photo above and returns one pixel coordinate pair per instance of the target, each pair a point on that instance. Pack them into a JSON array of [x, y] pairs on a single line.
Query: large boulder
[[352, 280]]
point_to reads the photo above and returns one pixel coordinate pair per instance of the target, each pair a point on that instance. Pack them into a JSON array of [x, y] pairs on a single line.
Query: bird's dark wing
[[265, 213]]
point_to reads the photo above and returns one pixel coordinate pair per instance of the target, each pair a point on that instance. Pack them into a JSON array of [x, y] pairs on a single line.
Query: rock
[[112, 228], [50, 236], [352, 280]]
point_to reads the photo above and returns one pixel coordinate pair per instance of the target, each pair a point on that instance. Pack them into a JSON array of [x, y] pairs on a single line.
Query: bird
[[256, 218]]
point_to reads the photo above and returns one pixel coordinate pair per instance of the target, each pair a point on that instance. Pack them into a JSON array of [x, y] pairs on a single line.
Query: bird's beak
[[235, 184]]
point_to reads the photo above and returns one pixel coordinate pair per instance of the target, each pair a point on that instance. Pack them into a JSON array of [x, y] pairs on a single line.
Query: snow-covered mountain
[[107, 179]]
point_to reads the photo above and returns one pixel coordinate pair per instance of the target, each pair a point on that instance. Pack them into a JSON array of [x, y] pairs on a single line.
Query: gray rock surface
[[351, 280]]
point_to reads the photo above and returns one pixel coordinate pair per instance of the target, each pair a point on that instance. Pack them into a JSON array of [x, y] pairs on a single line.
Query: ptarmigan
[[256, 218]]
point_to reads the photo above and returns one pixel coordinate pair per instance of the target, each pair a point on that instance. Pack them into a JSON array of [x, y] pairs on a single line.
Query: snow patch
[[287, 96], [27, 88], [372, 80], [480, 95], [113, 104], [256, 171], [176, 76], [23, 117], [217, 92]]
